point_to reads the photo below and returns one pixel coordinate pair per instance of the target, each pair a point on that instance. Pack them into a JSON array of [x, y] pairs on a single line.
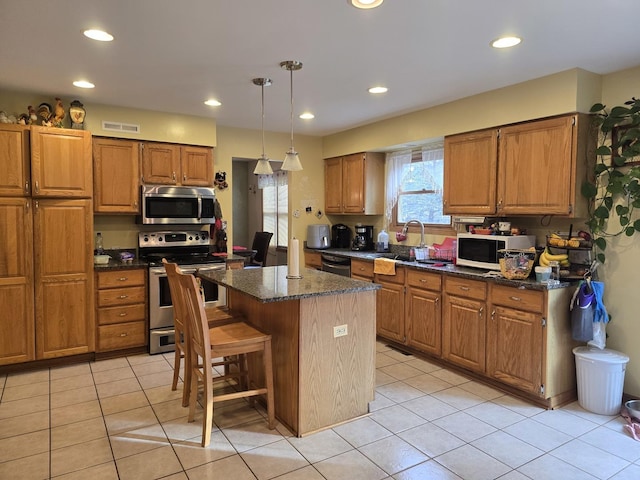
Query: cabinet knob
[[515, 299], [464, 288], [123, 315], [480, 311], [123, 296], [37, 187], [26, 187], [124, 334], [123, 279], [184, 177], [493, 315], [173, 176]]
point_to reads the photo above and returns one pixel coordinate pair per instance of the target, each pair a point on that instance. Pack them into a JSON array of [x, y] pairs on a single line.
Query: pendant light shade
[[291, 159], [263, 167]]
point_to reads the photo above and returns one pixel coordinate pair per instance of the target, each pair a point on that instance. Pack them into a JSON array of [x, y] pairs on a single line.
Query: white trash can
[[600, 377]]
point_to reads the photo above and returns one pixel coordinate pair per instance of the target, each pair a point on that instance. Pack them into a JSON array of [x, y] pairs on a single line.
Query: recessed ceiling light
[[307, 116], [99, 35], [365, 3], [212, 102], [506, 42], [378, 90], [83, 84]]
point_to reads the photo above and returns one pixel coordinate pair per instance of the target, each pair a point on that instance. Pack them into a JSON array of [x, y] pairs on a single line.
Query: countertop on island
[[270, 284]]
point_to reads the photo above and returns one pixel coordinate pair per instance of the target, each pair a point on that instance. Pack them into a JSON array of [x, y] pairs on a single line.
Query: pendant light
[[263, 167], [291, 159]]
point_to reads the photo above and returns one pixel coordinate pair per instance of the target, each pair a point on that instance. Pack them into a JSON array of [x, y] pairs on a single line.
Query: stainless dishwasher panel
[[336, 264]]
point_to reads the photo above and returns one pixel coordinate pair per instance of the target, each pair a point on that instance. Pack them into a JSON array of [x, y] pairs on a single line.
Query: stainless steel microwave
[[162, 204], [481, 251]]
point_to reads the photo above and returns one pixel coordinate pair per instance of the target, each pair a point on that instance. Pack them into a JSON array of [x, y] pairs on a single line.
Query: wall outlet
[[340, 331]]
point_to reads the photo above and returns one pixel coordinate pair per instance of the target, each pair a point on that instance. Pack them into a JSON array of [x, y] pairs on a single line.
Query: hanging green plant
[[614, 189]]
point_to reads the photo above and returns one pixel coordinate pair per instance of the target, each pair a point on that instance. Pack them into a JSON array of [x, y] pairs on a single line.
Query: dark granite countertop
[[270, 284], [450, 269]]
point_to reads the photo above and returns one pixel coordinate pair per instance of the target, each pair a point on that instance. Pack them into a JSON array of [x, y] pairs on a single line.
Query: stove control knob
[[159, 239], [145, 239], [204, 235], [190, 237], [197, 237]]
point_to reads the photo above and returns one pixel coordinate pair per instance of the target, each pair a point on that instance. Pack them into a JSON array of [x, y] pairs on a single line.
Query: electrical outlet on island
[[340, 331]]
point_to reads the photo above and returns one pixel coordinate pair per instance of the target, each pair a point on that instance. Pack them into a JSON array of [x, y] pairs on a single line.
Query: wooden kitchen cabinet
[[17, 336], [390, 306], [121, 309], [116, 167], [362, 270], [63, 251], [59, 166], [423, 311], [313, 260], [170, 164], [464, 322], [354, 184], [530, 168], [470, 173], [15, 160]]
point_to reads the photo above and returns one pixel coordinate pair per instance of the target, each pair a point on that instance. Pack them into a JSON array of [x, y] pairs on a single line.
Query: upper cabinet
[[170, 164], [532, 168], [15, 161], [59, 166], [116, 165], [354, 184]]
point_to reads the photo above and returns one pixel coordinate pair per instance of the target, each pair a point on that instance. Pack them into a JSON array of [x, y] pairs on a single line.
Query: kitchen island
[[323, 329]]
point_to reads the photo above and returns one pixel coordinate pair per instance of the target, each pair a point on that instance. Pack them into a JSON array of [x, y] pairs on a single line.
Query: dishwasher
[[336, 264]]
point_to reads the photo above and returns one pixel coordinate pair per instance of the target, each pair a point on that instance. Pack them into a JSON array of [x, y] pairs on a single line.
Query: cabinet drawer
[[426, 280], [397, 278], [362, 268], [313, 260], [463, 287], [122, 335], [121, 296], [127, 313], [120, 278], [519, 299]]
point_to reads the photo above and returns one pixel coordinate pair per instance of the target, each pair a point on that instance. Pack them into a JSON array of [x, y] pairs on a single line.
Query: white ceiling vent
[[120, 127]]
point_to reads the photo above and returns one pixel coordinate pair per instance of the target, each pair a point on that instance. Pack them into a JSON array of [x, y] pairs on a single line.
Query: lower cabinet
[[362, 270], [121, 309], [390, 304], [423, 311], [464, 322], [313, 260]]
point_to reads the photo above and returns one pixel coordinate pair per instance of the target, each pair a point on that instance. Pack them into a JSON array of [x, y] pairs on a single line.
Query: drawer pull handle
[[422, 280], [123, 334], [123, 296], [123, 279], [515, 299], [123, 315], [464, 288]]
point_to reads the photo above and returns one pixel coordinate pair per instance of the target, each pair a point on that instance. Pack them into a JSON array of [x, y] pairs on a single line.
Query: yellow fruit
[[573, 243], [558, 258], [543, 259]]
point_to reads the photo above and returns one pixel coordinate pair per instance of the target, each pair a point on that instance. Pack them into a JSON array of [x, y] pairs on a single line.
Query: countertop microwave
[[481, 251], [163, 204]]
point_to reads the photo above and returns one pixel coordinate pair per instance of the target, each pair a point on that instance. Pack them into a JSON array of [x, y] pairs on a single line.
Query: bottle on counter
[[383, 241], [99, 246]]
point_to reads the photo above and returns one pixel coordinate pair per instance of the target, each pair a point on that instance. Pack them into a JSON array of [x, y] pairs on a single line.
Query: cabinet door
[[333, 185], [15, 160], [160, 163], [535, 165], [17, 338], [116, 175], [197, 166], [424, 321], [353, 185], [514, 348], [61, 163], [470, 173], [463, 332], [63, 231], [390, 311]]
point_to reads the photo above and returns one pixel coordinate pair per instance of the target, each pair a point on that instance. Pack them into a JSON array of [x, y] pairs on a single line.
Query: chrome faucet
[[406, 228]]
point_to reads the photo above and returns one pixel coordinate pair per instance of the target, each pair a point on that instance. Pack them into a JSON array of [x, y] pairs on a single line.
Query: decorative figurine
[[44, 112], [221, 180], [77, 113], [58, 114]]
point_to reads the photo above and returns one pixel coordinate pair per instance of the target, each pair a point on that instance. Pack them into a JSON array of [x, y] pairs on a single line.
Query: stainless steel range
[[190, 250]]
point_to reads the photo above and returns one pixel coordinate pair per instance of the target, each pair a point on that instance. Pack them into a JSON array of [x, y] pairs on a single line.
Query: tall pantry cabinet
[[46, 257]]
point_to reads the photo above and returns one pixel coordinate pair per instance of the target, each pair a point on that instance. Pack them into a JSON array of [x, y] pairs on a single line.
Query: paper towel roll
[[293, 259]]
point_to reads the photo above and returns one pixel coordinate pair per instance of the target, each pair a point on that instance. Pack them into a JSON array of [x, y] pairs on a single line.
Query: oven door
[[160, 306]]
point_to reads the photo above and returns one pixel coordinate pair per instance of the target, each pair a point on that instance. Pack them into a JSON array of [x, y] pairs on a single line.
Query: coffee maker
[[363, 237]]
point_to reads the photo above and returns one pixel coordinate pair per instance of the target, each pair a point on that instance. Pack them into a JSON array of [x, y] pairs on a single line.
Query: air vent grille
[[120, 127]]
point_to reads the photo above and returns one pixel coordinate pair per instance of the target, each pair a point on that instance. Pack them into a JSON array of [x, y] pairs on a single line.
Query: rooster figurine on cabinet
[[58, 114]]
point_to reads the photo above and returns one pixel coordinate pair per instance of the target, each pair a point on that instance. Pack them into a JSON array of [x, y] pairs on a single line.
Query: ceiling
[[172, 55]]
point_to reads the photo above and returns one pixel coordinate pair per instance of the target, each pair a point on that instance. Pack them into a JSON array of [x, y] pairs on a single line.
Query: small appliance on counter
[[340, 236], [363, 238], [318, 236]]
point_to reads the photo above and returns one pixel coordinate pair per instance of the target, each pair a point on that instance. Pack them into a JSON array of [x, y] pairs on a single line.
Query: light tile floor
[[119, 419]]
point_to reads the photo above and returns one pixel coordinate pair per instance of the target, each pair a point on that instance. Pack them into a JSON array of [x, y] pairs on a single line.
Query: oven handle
[[163, 332], [161, 272], [211, 269]]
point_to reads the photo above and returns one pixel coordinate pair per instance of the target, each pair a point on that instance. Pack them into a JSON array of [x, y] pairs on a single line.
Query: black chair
[[261, 246]]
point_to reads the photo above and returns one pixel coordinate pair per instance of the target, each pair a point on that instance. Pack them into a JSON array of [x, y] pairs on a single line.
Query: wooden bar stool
[[222, 341]]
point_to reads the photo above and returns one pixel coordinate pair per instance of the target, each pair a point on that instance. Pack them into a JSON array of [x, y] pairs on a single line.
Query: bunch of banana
[[546, 257], [556, 240]]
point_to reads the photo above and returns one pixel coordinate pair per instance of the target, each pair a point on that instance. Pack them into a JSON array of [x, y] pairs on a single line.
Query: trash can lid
[[605, 355]]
